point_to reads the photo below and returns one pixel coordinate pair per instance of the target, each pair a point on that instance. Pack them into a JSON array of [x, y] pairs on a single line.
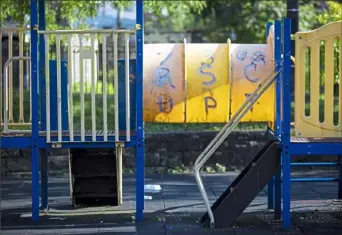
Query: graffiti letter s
[[205, 65]]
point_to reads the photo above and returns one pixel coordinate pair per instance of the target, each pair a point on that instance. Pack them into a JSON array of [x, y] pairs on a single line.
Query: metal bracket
[[119, 144], [56, 145]]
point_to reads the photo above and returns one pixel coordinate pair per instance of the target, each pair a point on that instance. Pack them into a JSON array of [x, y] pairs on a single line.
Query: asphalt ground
[[175, 209]]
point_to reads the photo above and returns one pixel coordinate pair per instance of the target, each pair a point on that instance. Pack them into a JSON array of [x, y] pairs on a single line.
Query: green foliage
[[241, 21], [75, 11], [9, 8], [333, 14], [307, 16], [56, 11], [171, 15]]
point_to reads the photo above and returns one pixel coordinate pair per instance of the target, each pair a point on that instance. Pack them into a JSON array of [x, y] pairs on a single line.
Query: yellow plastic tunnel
[[206, 83]]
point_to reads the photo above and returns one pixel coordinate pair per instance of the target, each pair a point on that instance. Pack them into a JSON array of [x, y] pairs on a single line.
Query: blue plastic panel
[[316, 149], [53, 94], [122, 94]]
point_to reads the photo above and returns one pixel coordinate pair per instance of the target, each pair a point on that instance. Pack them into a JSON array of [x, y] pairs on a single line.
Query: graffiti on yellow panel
[[164, 83], [199, 74], [251, 64], [207, 83]]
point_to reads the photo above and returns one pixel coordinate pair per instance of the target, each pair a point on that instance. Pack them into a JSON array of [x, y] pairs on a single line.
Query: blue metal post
[[270, 187], [43, 152], [340, 179], [35, 109], [277, 57], [286, 131], [140, 158], [277, 195]]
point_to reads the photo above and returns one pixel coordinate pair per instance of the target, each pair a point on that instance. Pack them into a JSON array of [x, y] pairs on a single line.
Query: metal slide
[[222, 135], [234, 200]]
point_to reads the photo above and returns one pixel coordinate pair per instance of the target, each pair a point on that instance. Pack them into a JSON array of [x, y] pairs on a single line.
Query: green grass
[[98, 87], [172, 127]]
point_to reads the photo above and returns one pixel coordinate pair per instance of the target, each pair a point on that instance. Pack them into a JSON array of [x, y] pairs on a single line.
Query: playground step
[[93, 162], [93, 177], [247, 185]]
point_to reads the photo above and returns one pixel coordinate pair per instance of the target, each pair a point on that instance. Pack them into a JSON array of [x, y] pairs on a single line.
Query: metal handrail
[[234, 116], [14, 29], [89, 31], [222, 135], [8, 62]]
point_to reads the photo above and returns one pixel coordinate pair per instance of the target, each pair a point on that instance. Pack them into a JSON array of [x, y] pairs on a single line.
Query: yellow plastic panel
[[164, 83], [251, 64], [307, 80], [207, 83]]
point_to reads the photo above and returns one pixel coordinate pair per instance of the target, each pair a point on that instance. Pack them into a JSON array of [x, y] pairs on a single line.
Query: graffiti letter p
[[207, 105]]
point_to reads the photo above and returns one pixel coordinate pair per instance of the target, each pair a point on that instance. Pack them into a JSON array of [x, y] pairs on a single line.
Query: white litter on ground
[[147, 197], [152, 188]]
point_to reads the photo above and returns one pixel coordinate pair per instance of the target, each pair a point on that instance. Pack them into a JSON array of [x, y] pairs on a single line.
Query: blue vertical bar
[[286, 155], [268, 26], [43, 153], [35, 109], [42, 26], [140, 158], [340, 180], [270, 187], [277, 195], [277, 131]]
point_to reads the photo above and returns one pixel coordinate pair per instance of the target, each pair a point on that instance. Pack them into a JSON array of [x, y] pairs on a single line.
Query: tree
[[241, 21], [71, 11], [333, 14]]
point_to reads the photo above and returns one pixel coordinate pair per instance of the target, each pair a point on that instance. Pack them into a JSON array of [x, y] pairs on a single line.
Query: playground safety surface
[[173, 210]]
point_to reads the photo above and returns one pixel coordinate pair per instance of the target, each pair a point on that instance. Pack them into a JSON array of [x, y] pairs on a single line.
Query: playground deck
[[173, 210], [64, 133]]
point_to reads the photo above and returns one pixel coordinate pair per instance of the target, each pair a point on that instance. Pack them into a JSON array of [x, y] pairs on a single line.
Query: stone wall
[[164, 150], [19, 161], [181, 149], [168, 150]]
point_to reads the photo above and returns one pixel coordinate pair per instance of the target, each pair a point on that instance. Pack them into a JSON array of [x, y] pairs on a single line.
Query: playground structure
[[227, 83]]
